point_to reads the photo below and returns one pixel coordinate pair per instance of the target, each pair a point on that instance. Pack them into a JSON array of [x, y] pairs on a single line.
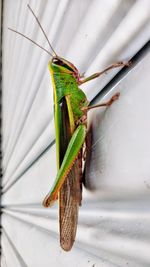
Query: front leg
[[98, 74]]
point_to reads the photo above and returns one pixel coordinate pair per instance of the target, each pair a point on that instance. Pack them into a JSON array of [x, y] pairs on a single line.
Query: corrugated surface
[[114, 221]]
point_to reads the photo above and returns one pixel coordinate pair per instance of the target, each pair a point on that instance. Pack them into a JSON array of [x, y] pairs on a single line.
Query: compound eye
[[62, 63], [57, 61]]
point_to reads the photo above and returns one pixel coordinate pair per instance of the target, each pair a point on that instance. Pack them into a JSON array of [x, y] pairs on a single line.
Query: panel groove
[[24, 171], [11, 243]]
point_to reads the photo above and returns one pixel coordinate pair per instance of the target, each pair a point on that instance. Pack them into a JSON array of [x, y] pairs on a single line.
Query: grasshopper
[[70, 115]]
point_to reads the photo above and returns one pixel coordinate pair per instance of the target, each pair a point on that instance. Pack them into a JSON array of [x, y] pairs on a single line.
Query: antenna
[[31, 41], [42, 29]]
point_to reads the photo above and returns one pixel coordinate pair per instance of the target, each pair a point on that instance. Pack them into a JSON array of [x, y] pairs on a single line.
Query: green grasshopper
[[70, 114]]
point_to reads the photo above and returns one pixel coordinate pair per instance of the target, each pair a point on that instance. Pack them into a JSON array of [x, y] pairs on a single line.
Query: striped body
[[70, 127]]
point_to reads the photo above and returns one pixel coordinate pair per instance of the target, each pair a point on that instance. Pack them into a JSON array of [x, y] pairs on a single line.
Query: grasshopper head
[[59, 64]]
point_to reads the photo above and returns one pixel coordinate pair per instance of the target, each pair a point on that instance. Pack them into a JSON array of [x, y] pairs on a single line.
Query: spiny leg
[[96, 75], [106, 104]]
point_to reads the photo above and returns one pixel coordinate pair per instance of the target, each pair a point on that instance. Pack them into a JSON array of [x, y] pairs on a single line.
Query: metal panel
[[114, 220]]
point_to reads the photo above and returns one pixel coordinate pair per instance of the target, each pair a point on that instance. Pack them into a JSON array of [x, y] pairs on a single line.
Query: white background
[[114, 218]]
